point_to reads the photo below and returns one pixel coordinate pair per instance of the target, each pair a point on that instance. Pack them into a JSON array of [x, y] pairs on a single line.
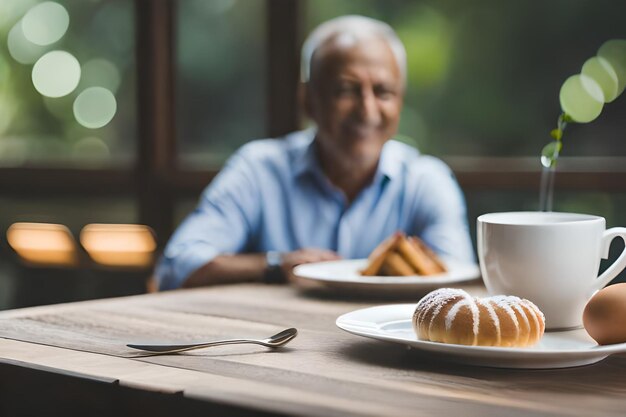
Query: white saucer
[[345, 274], [392, 323]]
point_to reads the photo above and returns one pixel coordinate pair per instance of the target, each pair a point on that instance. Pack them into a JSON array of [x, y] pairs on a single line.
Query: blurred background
[[116, 113]]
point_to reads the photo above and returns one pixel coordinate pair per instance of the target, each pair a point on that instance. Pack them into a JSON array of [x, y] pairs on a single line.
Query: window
[[192, 80], [67, 84], [484, 76], [483, 81], [221, 73]]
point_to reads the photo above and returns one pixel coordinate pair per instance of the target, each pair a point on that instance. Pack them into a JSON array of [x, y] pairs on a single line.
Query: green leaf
[[550, 154], [557, 134]]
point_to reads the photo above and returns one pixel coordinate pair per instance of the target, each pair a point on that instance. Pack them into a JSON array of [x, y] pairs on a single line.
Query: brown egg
[[604, 317]]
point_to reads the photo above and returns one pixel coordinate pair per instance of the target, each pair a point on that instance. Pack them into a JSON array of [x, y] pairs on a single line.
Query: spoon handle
[[163, 349]]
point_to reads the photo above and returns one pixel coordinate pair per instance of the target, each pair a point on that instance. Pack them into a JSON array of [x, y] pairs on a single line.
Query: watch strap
[[273, 273]]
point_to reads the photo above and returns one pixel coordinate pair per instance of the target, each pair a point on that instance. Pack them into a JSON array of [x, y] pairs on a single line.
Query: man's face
[[355, 97]]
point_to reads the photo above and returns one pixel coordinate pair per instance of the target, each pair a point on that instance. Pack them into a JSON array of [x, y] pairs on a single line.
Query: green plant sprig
[[582, 96], [550, 153]]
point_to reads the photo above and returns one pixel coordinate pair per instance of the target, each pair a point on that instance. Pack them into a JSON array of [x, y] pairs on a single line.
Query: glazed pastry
[[450, 315], [396, 265], [400, 255], [379, 255], [423, 259]]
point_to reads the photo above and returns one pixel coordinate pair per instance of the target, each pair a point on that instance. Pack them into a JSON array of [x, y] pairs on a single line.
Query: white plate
[[392, 323], [345, 274]]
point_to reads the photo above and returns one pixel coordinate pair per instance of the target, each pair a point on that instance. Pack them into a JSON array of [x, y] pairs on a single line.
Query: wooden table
[[72, 358]]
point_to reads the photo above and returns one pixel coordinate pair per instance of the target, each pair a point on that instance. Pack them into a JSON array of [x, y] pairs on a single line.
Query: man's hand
[[304, 256], [248, 267]]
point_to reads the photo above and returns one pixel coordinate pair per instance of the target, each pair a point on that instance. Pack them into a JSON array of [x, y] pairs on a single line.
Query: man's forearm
[[225, 269]]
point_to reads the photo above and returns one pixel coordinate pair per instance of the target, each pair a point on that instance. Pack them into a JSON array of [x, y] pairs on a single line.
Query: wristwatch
[[273, 270]]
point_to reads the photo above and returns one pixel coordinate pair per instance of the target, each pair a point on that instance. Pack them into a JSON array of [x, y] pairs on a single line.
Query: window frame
[[157, 182]]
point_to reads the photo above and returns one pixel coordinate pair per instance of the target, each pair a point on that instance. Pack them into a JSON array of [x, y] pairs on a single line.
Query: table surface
[[324, 371]]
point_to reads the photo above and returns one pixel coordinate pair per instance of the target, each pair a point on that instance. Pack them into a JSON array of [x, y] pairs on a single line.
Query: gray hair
[[348, 29]]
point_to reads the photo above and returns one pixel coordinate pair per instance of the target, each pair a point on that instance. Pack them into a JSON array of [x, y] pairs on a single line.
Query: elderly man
[[333, 191]]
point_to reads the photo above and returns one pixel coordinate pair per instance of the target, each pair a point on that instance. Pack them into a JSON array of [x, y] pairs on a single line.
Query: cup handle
[[617, 266]]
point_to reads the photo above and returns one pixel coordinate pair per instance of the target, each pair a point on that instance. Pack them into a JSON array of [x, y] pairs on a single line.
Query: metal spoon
[[277, 340]]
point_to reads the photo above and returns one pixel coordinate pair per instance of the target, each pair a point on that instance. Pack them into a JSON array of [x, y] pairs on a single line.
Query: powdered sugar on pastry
[[493, 321]]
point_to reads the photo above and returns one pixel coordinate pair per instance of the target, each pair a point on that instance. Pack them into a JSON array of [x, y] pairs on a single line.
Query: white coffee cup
[[549, 258]]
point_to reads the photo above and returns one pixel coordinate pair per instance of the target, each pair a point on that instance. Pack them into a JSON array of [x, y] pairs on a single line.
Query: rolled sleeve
[[174, 269], [223, 222]]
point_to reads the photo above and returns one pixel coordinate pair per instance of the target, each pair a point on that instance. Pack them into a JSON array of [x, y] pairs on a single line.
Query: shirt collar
[[306, 160], [389, 164]]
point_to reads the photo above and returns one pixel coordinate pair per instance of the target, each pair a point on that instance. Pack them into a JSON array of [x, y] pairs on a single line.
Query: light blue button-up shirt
[[273, 195]]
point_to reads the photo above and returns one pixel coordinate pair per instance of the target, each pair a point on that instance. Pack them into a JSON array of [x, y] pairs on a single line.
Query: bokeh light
[[581, 98], [95, 107], [56, 74], [12, 10], [45, 23], [43, 243], [20, 48], [119, 245], [100, 73], [614, 51], [603, 73]]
